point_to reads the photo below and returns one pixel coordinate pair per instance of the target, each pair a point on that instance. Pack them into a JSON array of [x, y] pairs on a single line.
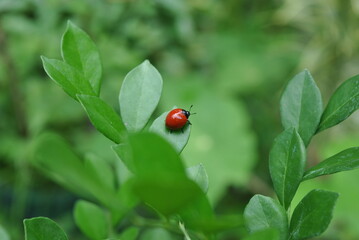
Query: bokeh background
[[230, 59]]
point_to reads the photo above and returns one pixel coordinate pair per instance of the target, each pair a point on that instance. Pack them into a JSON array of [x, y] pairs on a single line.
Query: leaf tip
[[70, 24]]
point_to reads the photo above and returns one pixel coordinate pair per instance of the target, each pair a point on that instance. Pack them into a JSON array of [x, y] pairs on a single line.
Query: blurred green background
[[230, 59]]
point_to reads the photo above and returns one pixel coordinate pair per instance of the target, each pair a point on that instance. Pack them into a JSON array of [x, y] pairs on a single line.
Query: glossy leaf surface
[[343, 161], [286, 165], [312, 215], [342, 104], [42, 228], [263, 212], [139, 95], [103, 117], [70, 79], [301, 105], [79, 51]]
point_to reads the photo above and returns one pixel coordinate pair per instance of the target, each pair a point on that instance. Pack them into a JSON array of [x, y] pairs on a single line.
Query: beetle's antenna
[[190, 109]]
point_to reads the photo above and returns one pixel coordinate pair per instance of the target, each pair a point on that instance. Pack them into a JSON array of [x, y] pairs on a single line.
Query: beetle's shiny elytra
[[177, 119]]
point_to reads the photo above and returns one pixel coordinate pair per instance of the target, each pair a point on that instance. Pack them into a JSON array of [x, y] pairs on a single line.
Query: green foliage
[[286, 165], [103, 117], [41, 228], [157, 176], [312, 215], [91, 219], [129, 234], [157, 233], [68, 77], [342, 104], [161, 180], [139, 95], [301, 105], [198, 174], [55, 158], [79, 51], [262, 213], [301, 109], [268, 234]]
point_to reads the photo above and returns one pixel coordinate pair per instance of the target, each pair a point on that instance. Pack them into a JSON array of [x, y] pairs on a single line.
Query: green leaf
[[263, 212], [139, 95], [103, 117], [123, 152], [42, 228], [79, 51], [154, 157], [312, 215], [342, 104], [286, 165], [70, 79], [156, 234], [199, 215], [91, 219], [101, 171], [216, 224], [125, 200], [268, 234], [130, 234], [168, 196], [178, 139], [301, 105], [3, 234], [343, 161], [160, 179], [199, 175], [55, 158]]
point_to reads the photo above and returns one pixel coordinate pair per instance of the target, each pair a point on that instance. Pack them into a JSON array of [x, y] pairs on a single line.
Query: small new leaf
[[342, 104], [301, 105], [343, 161], [263, 213], [312, 215], [79, 51], [286, 165]]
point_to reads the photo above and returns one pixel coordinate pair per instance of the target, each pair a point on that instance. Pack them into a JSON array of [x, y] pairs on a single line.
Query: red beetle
[[177, 119]]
